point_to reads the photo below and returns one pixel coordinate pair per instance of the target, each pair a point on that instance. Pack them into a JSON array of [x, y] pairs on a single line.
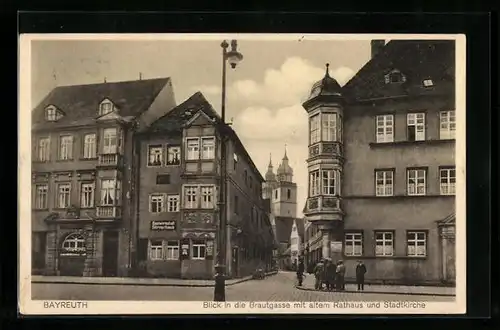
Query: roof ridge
[[113, 82]]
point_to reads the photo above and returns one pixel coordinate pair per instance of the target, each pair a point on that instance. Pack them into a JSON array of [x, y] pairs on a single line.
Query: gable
[[110, 116], [200, 119]]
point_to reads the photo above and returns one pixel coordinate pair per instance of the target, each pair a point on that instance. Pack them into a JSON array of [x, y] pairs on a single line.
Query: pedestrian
[[300, 272], [318, 274], [360, 275], [340, 272], [330, 275]]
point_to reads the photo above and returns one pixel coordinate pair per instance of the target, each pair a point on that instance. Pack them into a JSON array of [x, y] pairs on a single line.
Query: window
[[190, 201], [155, 250], [385, 128], [198, 250], [288, 193], [43, 149], [314, 183], [172, 250], [74, 243], [108, 192], [193, 149], [236, 204], [447, 181], [163, 179], [276, 194], [328, 182], [353, 244], [447, 124], [51, 114], [245, 176], [208, 148], [41, 196], [63, 195], [384, 243], [87, 195], [329, 130], [89, 146], [105, 108], [155, 155], [110, 141], [384, 183], [207, 197], [174, 155], [235, 161], [173, 203], [416, 182], [66, 148], [250, 182], [156, 203], [394, 77], [428, 83], [416, 244], [314, 129], [416, 126]]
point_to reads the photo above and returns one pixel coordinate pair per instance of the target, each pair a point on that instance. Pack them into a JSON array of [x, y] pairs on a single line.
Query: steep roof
[[326, 88], [79, 103], [283, 228], [174, 120], [300, 226], [416, 59], [448, 220]]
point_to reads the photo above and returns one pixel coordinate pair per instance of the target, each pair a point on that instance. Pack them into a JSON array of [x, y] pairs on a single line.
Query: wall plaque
[[210, 249], [185, 249], [162, 225]]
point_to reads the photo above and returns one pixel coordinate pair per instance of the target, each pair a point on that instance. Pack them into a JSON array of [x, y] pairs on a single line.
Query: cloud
[[268, 114]]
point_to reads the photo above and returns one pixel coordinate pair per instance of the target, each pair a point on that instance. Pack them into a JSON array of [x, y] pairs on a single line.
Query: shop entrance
[[72, 255]]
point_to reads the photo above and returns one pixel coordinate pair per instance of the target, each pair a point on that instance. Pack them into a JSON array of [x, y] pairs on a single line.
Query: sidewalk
[[134, 281], [308, 284]]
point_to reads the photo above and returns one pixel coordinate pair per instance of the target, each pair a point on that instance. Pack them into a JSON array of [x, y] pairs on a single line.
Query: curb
[[149, 284], [385, 292]]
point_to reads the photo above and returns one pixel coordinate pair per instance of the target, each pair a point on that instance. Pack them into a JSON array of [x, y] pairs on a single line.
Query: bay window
[[110, 192], [314, 183], [207, 148], [192, 149], [329, 127], [314, 128], [110, 141]]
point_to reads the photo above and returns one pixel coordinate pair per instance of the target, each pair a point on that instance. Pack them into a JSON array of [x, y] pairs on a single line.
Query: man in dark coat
[[360, 275], [300, 271], [340, 272]]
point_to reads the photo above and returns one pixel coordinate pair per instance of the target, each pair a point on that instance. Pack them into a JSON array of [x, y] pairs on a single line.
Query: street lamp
[[233, 57]]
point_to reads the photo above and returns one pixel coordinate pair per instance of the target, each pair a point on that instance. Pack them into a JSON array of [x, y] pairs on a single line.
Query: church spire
[[285, 157], [270, 161], [270, 172]]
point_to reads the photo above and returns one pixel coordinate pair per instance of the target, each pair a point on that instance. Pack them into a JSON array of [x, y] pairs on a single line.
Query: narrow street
[[279, 287]]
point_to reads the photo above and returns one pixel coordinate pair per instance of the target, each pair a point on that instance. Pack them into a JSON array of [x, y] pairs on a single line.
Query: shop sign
[[162, 225], [336, 246]]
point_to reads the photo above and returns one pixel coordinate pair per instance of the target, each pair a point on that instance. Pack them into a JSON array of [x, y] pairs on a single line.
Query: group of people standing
[[331, 275]]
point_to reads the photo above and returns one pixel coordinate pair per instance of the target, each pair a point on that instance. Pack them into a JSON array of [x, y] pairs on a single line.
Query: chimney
[[377, 46]]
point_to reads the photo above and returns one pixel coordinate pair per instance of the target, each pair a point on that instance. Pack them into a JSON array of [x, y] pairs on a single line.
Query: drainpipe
[[137, 184]]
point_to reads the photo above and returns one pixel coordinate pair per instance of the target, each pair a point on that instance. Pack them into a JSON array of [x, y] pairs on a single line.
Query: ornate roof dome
[[284, 168], [270, 176], [326, 86]]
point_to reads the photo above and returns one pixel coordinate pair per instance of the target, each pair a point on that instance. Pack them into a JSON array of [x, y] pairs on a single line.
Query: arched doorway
[[72, 255]]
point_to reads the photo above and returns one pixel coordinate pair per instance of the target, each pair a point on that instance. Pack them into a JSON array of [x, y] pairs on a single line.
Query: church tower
[[270, 183], [325, 161], [284, 196]]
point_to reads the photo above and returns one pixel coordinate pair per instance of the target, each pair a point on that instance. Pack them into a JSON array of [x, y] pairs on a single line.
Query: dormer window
[[395, 77], [52, 113], [428, 83], [105, 107]]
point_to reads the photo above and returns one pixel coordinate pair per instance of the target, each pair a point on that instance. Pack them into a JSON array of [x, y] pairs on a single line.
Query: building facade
[[82, 171], [178, 213], [381, 164]]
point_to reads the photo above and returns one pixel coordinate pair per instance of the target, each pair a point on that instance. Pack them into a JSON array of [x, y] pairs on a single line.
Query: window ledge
[[411, 143], [88, 159], [41, 161], [40, 210], [65, 160]]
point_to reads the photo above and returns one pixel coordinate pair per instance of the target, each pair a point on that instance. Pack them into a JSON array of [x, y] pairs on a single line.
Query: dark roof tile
[[79, 103]]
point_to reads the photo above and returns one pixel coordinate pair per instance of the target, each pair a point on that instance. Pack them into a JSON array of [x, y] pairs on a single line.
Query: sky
[[264, 92]]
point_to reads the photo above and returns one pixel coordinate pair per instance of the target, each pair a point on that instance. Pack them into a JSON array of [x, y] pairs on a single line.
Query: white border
[[28, 306]]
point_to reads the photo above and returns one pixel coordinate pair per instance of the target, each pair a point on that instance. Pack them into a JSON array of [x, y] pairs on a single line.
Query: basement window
[[428, 83]]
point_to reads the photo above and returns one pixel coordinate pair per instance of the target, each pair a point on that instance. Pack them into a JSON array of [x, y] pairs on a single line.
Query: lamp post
[[233, 57]]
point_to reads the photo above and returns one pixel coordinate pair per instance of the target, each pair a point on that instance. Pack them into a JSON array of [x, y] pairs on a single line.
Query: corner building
[[179, 160], [382, 164]]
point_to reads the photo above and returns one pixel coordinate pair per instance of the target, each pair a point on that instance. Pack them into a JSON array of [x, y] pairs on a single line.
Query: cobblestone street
[[280, 287]]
